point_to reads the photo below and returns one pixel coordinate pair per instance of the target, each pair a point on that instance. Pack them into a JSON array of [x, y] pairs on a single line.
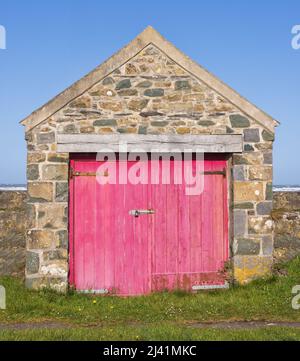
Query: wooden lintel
[[88, 143]]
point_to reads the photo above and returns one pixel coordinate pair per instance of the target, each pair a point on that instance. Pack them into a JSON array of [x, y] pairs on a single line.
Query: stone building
[[146, 90]]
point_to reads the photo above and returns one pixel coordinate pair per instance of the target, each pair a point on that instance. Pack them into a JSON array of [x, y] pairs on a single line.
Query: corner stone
[[239, 173], [46, 138], [248, 268], [33, 172], [239, 223], [63, 240], [40, 192], [248, 246], [267, 136], [55, 172], [32, 262], [61, 192], [267, 245]]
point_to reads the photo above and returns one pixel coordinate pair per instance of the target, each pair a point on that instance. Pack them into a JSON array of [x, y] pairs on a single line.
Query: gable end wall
[[150, 94]]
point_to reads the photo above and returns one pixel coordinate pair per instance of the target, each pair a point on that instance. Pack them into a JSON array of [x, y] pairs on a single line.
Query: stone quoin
[[149, 88]]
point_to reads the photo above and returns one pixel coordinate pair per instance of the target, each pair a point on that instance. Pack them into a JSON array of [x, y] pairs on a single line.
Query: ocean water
[[13, 187], [276, 188], [292, 188]]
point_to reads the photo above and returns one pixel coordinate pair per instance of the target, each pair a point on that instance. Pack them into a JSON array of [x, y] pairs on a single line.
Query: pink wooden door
[[110, 246], [183, 244], [189, 240]]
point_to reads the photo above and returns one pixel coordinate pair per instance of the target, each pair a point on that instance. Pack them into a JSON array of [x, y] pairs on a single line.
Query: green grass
[[152, 332], [162, 316]]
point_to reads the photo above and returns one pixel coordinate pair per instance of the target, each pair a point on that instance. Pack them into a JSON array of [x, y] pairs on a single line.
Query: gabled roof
[[148, 36]]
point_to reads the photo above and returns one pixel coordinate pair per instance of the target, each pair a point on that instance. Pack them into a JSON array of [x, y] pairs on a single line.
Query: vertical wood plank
[[185, 241]]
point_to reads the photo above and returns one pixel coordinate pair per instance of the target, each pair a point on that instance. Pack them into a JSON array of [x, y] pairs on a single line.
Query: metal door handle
[[139, 212]]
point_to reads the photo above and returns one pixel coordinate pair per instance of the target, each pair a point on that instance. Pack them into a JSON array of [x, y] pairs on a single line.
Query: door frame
[[227, 206]]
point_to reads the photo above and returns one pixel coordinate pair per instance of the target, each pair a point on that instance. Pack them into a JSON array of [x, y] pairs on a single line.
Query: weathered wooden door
[[175, 241], [189, 239]]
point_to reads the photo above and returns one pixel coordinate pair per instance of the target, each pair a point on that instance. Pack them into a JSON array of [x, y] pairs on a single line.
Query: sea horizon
[[276, 188]]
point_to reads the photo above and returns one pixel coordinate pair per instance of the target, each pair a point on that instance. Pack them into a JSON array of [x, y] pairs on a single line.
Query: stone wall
[[149, 94], [286, 215], [12, 233]]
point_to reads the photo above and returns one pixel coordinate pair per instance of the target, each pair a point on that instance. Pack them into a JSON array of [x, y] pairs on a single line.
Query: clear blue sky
[[51, 44]]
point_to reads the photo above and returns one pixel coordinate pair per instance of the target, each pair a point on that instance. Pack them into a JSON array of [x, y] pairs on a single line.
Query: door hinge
[[74, 173], [220, 172], [101, 291], [210, 286], [71, 173]]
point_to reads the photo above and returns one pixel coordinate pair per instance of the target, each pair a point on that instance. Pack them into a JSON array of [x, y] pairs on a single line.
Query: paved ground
[[240, 325], [34, 325], [234, 325]]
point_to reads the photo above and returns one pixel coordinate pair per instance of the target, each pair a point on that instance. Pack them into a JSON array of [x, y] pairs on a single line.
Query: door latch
[[139, 212]]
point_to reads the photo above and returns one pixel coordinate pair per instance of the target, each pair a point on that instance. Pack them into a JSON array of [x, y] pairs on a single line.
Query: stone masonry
[[149, 94], [286, 216], [12, 233]]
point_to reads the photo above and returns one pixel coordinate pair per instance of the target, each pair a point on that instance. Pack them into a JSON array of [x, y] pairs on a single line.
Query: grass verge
[[160, 316]]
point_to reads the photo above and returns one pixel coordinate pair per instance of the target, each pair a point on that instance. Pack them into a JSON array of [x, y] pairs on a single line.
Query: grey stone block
[[70, 128], [240, 223], [142, 129], [123, 84], [154, 92], [107, 81], [264, 208], [105, 122], [269, 191], [247, 246], [206, 123], [239, 173], [61, 192], [267, 136], [157, 123], [239, 121], [182, 84], [267, 245], [32, 262], [46, 138], [251, 135], [63, 239], [268, 158], [32, 172], [244, 205], [248, 148]]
